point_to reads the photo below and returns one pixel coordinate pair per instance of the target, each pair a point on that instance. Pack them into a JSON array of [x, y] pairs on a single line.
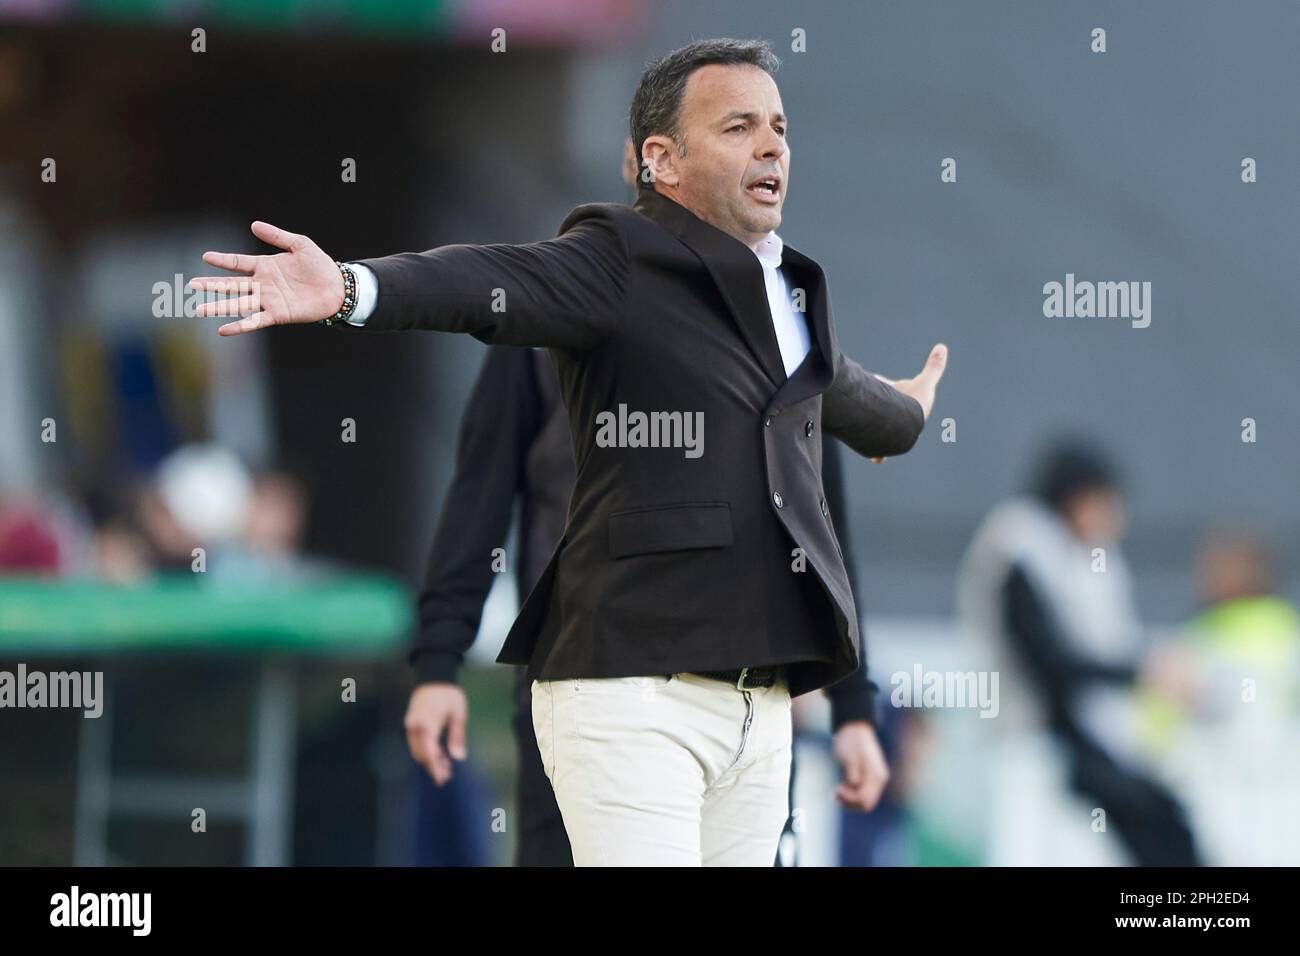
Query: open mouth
[[767, 189]]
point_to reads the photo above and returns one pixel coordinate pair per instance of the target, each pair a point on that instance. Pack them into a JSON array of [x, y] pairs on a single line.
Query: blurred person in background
[[120, 552], [1045, 593], [29, 544], [269, 547], [202, 511], [198, 498], [1243, 622], [1242, 646], [88, 533]]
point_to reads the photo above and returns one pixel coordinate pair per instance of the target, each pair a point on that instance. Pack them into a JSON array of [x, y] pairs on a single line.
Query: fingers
[[456, 736], [423, 744], [275, 236], [248, 291], [225, 284], [873, 790], [240, 262], [855, 772], [855, 768], [245, 303], [252, 323], [437, 762], [429, 755], [425, 724], [231, 261], [862, 797], [861, 791], [935, 364]]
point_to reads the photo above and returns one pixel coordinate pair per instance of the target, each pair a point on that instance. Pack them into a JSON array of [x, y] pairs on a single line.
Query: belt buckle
[[740, 684]]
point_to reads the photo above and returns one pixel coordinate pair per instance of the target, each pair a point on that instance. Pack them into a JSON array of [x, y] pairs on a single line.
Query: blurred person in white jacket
[[1045, 598]]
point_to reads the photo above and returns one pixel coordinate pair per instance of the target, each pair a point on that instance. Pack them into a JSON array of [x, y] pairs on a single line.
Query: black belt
[[752, 677]]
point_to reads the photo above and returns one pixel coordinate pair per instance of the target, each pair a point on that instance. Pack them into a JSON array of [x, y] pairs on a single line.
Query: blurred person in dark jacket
[[1046, 591]]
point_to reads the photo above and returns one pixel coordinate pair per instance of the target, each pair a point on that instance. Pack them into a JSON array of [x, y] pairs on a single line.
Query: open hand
[[299, 285], [923, 385]]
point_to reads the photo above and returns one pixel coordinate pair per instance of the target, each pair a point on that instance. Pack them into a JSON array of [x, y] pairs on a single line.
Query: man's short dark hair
[[657, 102]]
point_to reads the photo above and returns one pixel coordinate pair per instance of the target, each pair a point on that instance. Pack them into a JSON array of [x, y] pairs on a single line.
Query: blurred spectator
[[1241, 647], [269, 547], [116, 550], [1241, 614], [205, 491], [121, 553], [28, 545], [250, 529], [1046, 593], [46, 533], [277, 515]]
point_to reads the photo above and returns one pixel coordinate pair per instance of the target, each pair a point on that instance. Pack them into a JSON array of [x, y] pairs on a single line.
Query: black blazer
[[669, 563], [514, 444]]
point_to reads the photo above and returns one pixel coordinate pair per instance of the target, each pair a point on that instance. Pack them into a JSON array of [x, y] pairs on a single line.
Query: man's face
[[1097, 516], [734, 130]]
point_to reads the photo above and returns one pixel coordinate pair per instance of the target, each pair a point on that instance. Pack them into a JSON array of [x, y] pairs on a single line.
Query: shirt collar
[[769, 251]]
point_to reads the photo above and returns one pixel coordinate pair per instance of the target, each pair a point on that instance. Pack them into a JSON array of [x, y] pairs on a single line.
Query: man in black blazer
[[698, 541]]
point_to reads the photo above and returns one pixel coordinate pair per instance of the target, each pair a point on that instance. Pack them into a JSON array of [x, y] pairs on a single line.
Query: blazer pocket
[[669, 528]]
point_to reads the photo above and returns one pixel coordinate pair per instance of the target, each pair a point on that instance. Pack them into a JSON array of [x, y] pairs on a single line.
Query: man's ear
[[659, 161]]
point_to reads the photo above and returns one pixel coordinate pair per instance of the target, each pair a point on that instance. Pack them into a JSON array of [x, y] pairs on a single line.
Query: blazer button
[[808, 428], [824, 508], [768, 423], [777, 499]]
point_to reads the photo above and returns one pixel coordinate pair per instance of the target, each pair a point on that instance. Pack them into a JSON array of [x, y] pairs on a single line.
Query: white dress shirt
[[367, 293], [791, 326]]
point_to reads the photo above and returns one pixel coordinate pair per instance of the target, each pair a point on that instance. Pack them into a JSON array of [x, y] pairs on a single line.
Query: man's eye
[[737, 126], [781, 130]]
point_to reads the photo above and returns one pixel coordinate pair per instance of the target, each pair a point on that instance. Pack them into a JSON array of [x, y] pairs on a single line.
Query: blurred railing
[[346, 617]]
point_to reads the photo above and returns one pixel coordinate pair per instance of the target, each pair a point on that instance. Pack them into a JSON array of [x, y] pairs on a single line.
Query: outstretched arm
[[876, 416], [566, 292]]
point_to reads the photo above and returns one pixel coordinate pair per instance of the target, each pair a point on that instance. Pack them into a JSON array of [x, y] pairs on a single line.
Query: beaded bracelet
[[349, 296]]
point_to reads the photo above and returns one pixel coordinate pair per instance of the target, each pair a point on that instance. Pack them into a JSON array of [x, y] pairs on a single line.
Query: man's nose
[[771, 146]]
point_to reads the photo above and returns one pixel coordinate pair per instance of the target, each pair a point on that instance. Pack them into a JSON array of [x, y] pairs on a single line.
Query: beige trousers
[[670, 770]]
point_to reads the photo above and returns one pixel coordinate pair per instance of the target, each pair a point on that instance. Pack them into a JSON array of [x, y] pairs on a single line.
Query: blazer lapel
[[735, 270], [817, 371]]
